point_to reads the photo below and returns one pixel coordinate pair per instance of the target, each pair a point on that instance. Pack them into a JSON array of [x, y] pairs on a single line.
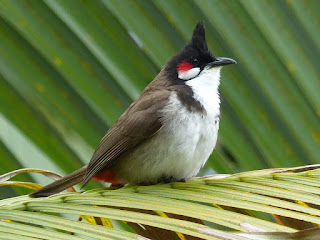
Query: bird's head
[[195, 58]]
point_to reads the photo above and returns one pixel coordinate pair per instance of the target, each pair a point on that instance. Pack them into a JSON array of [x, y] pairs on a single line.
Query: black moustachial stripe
[[185, 95]]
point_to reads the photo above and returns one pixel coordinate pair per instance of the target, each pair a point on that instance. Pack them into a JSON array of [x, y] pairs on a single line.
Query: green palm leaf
[[268, 202]]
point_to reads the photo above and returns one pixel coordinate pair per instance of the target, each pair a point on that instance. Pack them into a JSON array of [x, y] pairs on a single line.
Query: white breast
[[185, 141]]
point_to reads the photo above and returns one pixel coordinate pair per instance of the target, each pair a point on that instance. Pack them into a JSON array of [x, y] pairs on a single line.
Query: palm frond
[[272, 202]]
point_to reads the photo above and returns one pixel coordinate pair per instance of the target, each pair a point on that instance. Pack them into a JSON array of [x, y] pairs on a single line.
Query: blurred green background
[[68, 69]]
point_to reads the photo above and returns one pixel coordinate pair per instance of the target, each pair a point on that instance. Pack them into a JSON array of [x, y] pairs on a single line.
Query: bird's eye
[[195, 62]]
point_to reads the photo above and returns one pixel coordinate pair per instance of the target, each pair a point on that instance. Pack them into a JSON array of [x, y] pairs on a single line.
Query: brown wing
[[140, 121]]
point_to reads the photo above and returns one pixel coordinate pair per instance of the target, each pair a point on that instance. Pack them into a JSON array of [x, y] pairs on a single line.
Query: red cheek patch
[[183, 67]]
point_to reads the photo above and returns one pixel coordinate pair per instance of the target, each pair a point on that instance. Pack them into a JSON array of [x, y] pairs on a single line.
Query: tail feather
[[61, 184]]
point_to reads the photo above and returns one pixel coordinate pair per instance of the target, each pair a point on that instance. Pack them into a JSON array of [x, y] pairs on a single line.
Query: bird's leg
[[165, 179], [116, 186]]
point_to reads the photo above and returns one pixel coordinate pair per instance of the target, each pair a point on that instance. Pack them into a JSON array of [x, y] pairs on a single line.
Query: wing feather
[[140, 121]]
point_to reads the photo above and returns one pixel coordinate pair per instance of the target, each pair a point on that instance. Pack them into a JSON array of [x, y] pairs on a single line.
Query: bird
[[168, 133]]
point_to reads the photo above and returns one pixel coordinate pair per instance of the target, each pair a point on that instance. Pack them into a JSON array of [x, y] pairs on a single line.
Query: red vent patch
[[185, 66]]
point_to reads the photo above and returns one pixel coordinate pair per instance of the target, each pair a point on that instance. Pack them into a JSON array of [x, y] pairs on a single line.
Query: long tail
[[61, 184]]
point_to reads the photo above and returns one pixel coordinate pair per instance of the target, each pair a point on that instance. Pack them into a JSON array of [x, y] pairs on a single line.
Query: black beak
[[221, 62]]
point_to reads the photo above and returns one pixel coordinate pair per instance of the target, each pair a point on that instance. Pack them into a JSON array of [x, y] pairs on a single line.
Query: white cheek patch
[[186, 75]]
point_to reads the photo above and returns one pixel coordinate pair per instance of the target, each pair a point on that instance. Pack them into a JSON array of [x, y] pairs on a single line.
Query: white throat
[[205, 88]]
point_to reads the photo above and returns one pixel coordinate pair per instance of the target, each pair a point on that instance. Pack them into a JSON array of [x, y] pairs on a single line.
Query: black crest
[[198, 40], [197, 48]]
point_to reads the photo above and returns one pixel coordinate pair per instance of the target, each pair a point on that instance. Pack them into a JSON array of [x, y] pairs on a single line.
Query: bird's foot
[[165, 179], [116, 186]]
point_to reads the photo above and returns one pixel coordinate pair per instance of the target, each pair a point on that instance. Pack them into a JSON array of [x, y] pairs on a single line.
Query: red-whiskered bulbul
[[168, 133]]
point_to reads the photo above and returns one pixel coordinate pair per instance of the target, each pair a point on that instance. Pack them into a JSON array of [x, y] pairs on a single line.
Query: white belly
[[178, 150]]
